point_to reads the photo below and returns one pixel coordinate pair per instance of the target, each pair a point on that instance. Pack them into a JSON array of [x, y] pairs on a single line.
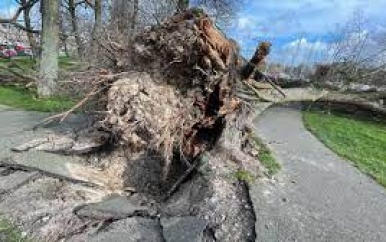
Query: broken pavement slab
[[131, 230], [187, 229], [58, 166], [14, 180], [16, 128], [115, 208]]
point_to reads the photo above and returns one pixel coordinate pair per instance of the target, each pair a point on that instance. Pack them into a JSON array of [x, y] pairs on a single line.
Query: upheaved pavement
[[42, 194], [317, 196]]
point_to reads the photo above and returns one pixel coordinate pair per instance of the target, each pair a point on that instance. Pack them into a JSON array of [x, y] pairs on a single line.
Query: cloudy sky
[[305, 30]]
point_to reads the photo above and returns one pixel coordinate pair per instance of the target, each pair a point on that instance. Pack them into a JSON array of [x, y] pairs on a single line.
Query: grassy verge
[[9, 233], [18, 97], [266, 157], [26, 63], [361, 142], [22, 98]]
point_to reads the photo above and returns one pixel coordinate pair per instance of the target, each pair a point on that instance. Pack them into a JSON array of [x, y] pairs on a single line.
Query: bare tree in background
[[71, 7], [27, 20], [124, 16], [49, 44], [23, 5], [97, 19], [355, 57]]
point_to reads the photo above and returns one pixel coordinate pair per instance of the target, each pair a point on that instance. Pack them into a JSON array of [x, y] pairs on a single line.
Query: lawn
[[361, 142], [22, 98], [26, 99]]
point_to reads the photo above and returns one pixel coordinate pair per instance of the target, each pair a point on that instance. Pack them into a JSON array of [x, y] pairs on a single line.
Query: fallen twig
[[180, 180], [64, 115]]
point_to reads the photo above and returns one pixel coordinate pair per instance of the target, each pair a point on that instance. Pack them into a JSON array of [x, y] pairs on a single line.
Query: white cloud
[[244, 22], [304, 44], [302, 51], [354, 46]]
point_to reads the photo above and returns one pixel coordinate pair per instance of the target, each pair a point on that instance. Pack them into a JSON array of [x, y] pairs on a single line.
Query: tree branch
[[13, 20]]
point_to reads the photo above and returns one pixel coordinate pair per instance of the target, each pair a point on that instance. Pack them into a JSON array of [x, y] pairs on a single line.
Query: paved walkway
[[317, 195]]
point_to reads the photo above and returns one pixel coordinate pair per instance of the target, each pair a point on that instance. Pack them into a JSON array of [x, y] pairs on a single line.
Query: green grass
[[244, 175], [18, 97], [361, 142], [22, 98], [10, 233], [26, 63], [266, 158]]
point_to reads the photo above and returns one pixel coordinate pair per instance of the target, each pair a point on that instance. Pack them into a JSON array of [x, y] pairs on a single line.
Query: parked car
[[9, 51]]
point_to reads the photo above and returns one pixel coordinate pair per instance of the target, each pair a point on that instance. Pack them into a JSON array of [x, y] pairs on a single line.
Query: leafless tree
[[49, 44], [23, 5], [354, 57]]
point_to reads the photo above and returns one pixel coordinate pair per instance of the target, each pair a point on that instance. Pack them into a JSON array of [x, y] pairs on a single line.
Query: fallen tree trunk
[[351, 104]]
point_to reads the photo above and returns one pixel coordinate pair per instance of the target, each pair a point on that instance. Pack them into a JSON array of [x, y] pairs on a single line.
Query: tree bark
[[31, 36], [50, 46], [25, 5], [261, 52], [134, 16], [75, 29], [97, 19]]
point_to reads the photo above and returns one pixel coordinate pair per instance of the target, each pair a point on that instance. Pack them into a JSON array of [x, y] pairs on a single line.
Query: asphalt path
[[317, 196]]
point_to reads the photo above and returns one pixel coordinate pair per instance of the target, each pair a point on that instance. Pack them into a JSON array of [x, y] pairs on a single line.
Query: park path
[[317, 196]]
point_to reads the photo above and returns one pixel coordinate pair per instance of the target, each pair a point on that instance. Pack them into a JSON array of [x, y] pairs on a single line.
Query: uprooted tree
[[177, 91]]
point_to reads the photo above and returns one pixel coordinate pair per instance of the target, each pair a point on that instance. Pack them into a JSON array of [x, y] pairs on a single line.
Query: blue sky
[[4, 6], [306, 27]]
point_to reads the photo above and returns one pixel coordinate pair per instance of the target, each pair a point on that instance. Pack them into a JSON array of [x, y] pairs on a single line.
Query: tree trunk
[[134, 16], [50, 45], [30, 35], [124, 15], [261, 52], [75, 29], [97, 19]]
